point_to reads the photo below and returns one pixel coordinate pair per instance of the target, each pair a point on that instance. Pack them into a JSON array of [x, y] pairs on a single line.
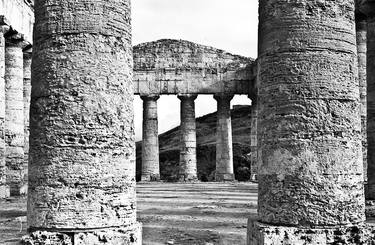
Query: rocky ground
[[171, 213]]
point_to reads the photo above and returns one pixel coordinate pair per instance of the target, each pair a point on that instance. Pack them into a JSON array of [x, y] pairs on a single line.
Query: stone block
[[131, 235], [264, 234]]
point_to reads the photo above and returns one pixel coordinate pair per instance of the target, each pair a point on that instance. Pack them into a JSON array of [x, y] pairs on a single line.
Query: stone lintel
[[131, 235], [264, 234]]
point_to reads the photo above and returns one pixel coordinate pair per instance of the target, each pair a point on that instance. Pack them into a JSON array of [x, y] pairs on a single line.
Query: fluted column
[[14, 115], [309, 130], [4, 188], [150, 141], [224, 147], [82, 144], [188, 140]]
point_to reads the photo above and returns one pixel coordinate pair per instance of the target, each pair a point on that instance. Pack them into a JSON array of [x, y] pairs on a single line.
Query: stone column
[[370, 194], [14, 117], [150, 141], [4, 188], [82, 144], [26, 103], [224, 147], [309, 129], [254, 141], [188, 141], [361, 30]]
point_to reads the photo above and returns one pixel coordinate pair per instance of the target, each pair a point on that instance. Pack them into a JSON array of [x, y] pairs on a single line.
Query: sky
[[228, 25]]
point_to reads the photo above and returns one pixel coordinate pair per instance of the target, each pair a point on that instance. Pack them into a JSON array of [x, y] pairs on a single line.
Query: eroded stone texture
[[369, 10], [361, 30], [181, 67], [26, 104], [4, 188], [81, 168], [254, 141], [126, 235], [188, 140], [263, 234], [14, 122], [309, 132], [150, 139], [224, 147]]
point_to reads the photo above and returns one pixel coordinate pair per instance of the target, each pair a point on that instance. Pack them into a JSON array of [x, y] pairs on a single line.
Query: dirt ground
[[171, 213]]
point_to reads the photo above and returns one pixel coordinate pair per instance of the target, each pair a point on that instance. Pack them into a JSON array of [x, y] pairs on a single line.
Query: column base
[[150, 177], [4, 191], [187, 178], [263, 234], [131, 235], [224, 177], [254, 178]]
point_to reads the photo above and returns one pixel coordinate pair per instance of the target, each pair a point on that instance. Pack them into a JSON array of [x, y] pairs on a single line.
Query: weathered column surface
[[370, 12], [224, 147], [361, 30], [82, 163], [26, 102], [254, 141], [309, 130], [188, 141], [14, 122], [4, 188], [150, 141]]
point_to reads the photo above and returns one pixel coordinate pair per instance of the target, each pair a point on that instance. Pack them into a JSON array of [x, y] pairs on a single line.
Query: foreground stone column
[[370, 193], [150, 141], [82, 151], [14, 122], [188, 141], [224, 147], [309, 129], [4, 188], [26, 102]]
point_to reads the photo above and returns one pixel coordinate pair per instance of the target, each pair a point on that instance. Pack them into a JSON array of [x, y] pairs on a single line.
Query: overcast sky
[[229, 25]]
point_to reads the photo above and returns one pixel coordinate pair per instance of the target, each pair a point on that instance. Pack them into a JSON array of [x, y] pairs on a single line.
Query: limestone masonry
[[68, 77]]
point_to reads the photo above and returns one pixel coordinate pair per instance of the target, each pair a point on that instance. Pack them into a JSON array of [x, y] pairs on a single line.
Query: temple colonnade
[[188, 139], [15, 86]]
